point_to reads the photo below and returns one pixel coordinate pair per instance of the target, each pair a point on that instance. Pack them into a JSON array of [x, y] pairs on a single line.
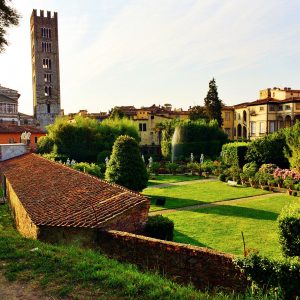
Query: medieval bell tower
[[45, 67]]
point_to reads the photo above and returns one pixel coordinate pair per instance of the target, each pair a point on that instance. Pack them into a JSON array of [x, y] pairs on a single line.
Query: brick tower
[[45, 67]]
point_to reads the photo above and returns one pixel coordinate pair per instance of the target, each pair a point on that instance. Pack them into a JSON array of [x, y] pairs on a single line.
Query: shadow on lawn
[[172, 202], [238, 211], [180, 237]]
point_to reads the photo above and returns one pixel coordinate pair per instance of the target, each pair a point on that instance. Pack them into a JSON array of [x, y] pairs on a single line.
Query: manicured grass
[[198, 193], [159, 179], [220, 227], [82, 274]]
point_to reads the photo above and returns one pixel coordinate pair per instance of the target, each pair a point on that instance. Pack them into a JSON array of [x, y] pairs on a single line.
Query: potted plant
[[289, 184]]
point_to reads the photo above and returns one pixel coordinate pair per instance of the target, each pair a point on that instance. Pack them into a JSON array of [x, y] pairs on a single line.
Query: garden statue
[[68, 162], [150, 161], [143, 158], [201, 158], [106, 160], [192, 157], [25, 136], [73, 162]]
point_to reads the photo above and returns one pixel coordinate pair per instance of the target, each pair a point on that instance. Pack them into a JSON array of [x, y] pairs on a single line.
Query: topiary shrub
[[160, 201], [222, 177], [249, 169], [233, 154], [126, 166], [172, 167], [154, 167], [159, 227], [289, 229]]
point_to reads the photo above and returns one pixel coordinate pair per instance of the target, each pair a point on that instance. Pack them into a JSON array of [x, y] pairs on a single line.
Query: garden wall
[[183, 263]]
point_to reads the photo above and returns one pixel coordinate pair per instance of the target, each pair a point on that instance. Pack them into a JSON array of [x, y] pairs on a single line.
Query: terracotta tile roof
[[56, 195], [14, 128]]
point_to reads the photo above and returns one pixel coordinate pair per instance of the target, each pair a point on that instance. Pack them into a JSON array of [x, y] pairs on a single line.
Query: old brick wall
[[184, 263], [22, 220], [82, 237], [132, 220]]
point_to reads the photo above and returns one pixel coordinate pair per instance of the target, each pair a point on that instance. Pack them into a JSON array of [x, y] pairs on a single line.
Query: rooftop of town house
[[56, 195], [12, 94], [15, 128]]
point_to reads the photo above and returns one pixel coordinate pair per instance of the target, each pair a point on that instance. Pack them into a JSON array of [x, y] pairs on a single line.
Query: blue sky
[[140, 52]]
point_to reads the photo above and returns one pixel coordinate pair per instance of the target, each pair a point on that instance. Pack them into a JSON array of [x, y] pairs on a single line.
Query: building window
[[47, 63], [35, 139], [253, 127], [46, 32], [48, 77], [239, 116], [152, 117], [46, 47], [297, 106], [261, 127], [261, 108], [227, 131], [234, 131], [143, 127], [48, 108], [287, 107], [227, 116], [235, 115], [272, 126], [272, 107], [48, 91]]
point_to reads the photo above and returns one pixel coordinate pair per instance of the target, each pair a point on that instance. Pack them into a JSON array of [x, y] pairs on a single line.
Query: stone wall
[[183, 263], [8, 151], [82, 237], [22, 220]]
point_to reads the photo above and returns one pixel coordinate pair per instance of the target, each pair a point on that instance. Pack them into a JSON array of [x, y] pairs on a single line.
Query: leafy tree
[[198, 112], [8, 17], [126, 166], [86, 138], [292, 151], [269, 149], [213, 105], [116, 113], [44, 145]]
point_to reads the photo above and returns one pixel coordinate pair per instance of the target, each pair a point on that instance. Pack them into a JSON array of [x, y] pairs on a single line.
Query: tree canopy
[[198, 112], [85, 140], [213, 105], [8, 17]]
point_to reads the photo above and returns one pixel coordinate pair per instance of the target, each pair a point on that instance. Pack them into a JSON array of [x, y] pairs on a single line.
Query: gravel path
[[225, 202]]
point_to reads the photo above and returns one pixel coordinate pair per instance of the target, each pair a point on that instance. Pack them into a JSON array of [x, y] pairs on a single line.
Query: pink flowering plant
[[284, 173]]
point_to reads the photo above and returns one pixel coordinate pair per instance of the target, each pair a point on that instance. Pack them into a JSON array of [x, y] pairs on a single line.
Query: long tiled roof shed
[[54, 195]]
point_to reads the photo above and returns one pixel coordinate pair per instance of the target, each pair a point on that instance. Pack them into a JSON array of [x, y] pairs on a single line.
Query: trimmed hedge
[[210, 149], [280, 276], [289, 229], [160, 227], [233, 154]]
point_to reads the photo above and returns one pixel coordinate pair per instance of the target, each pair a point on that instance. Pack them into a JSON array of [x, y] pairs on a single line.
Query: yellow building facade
[[275, 109]]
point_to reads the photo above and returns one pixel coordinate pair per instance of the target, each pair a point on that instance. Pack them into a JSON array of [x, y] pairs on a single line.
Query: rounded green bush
[[222, 177], [126, 166], [159, 227], [289, 229]]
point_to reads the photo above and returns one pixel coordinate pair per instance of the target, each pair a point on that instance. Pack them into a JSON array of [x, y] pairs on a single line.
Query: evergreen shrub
[[91, 169], [126, 166], [160, 227], [289, 229], [233, 154], [276, 275]]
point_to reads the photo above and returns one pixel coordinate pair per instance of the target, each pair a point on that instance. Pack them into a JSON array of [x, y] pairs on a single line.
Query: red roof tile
[[14, 128], [56, 195]]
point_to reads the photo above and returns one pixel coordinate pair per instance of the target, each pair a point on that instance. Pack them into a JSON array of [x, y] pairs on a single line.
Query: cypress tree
[[213, 104]]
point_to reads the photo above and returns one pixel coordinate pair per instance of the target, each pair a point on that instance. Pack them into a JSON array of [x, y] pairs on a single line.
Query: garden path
[[225, 202], [182, 182]]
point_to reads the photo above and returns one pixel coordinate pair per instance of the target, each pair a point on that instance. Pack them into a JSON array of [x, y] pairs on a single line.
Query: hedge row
[[233, 154]]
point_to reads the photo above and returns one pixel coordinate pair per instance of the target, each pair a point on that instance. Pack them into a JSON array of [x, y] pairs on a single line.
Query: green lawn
[[220, 227], [159, 179], [198, 193]]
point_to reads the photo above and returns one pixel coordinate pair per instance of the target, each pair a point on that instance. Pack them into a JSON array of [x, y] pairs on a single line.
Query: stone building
[[45, 67], [54, 203], [9, 105]]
